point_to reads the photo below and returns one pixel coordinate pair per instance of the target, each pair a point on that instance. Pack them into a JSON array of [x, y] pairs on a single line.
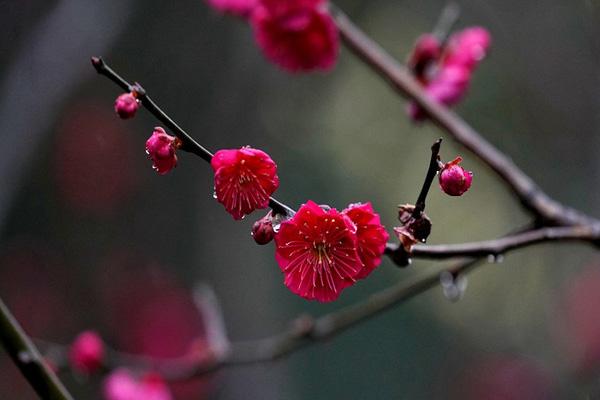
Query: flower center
[[320, 250]]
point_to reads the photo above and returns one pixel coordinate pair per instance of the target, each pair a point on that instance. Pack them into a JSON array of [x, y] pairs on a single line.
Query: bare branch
[[590, 234], [549, 211], [27, 357]]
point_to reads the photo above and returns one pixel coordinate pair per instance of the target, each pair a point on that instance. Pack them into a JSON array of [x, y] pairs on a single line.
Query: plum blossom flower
[[161, 149], [126, 105], [121, 384], [446, 78], [467, 47], [244, 179], [297, 35], [427, 50], [454, 179], [240, 8], [371, 236], [86, 352], [317, 251]]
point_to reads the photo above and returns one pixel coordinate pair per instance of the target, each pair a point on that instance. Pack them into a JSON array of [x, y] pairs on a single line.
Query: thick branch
[[530, 195], [26, 356]]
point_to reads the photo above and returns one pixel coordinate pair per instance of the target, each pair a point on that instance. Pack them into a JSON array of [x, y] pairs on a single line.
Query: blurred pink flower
[[240, 8], [504, 377], [297, 35], [467, 48], [96, 167], [448, 81], [121, 384], [87, 352]]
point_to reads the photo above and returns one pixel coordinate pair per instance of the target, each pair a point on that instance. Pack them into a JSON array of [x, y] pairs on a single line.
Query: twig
[[28, 359], [432, 171], [547, 210], [447, 19], [301, 332], [188, 143], [503, 245]]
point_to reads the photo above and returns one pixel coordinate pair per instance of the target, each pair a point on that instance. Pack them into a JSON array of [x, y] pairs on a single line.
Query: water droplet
[[214, 194], [446, 279], [451, 293]]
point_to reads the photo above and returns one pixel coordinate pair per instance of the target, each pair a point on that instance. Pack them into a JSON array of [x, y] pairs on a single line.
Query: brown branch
[[581, 233], [301, 332], [28, 359], [547, 210]]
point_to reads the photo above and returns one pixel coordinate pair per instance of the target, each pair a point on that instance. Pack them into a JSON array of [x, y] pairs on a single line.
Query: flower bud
[[454, 179], [262, 230], [126, 105], [160, 148], [87, 352]]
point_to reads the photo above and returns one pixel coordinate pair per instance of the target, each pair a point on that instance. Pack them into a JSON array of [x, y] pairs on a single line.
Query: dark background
[[92, 238]]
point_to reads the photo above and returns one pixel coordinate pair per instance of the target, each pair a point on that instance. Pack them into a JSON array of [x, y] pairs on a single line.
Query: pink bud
[[262, 230], [454, 179], [126, 105], [160, 148], [87, 352], [426, 51]]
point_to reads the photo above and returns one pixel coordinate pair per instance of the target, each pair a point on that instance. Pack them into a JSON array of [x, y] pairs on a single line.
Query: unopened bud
[[262, 230], [126, 105], [454, 179]]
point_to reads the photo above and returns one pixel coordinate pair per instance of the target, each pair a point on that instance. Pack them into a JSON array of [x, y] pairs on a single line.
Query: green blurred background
[[93, 238]]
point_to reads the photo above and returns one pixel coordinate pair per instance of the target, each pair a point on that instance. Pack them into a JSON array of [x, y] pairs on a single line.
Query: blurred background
[[92, 238]]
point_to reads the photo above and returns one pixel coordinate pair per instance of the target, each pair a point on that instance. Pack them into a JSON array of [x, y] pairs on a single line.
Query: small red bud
[[262, 230], [126, 105], [454, 179]]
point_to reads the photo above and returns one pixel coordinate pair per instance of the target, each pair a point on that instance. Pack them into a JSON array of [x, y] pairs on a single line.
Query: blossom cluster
[[321, 251], [445, 71], [297, 35]]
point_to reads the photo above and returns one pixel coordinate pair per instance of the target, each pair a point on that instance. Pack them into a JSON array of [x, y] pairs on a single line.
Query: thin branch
[[28, 359], [301, 332], [549, 211], [188, 143], [502, 245], [432, 171], [446, 21]]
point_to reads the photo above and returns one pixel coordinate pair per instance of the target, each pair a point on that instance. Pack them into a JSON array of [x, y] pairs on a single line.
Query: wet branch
[[28, 359]]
